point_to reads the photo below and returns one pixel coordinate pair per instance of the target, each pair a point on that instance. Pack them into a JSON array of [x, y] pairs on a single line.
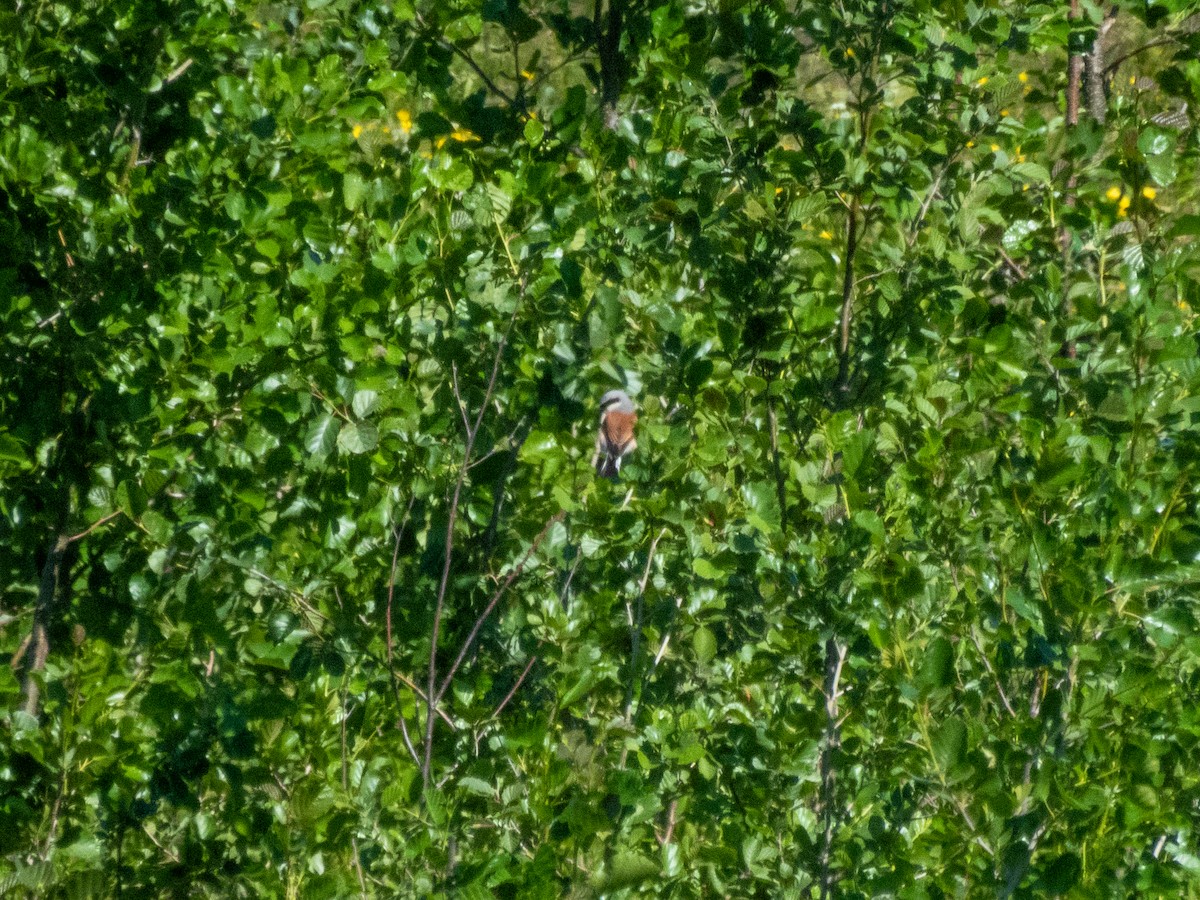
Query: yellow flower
[[405, 119], [1133, 79], [995, 148], [825, 235], [464, 135], [1123, 206], [778, 191], [356, 131], [1003, 113], [982, 81], [528, 76], [1024, 187], [970, 144], [440, 143], [1149, 193], [1113, 193], [849, 53], [1023, 77]]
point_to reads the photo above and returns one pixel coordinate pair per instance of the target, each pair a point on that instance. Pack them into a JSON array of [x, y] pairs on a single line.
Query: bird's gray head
[[618, 400]]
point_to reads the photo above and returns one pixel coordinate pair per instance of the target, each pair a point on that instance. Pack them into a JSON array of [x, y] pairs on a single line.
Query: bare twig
[[669, 831], [465, 57], [929, 197], [635, 636], [835, 658], [407, 740], [458, 401], [662, 647], [1013, 264], [1074, 74], [98, 523], [362, 882], [776, 463], [432, 694], [843, 378], [1111, 68], [487, 610], [507, 697], [179, 70], [392, 577], [987, 665]]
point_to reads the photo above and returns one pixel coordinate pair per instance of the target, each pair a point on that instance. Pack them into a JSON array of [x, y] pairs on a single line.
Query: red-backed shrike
[[615, 440]]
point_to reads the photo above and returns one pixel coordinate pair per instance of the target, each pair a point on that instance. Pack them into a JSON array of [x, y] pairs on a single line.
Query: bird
[[615, 440]]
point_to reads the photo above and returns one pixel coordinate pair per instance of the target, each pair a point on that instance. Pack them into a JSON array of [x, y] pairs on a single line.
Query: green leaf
[[476, 786], [322, 437], [354, 189], [358, 437], [950, 743], [704, 642], [131, 499], [364, 403], [11, 449], [628, 869], [762, 504], [534, 131], [937, 665]]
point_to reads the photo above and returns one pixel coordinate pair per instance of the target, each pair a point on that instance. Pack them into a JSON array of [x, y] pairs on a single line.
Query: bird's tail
[[609, 466]]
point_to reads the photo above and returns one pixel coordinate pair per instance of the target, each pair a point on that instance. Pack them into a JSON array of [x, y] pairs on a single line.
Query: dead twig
[[512, 693], [432, 694], [487, 610]]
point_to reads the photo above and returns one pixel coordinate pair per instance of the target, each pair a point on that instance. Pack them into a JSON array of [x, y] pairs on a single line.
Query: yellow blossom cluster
[[1123, 200], [402, 129], [404, 126]]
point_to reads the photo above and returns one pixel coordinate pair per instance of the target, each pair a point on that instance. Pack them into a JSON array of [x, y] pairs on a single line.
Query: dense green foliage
[[305, 309]]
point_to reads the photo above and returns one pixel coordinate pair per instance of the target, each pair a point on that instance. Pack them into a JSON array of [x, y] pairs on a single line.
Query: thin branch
[[432, 694], [507, 697], [97, 524], [1012, 264], [487, 611], [565, 593], [662, 648], [462, 409], [669, 832], [407, 740], [465, 57], [776, 463], [362, 882], [1111, 68], [835, 658], [1074, 74], [635, 637], [929, 197], [179, 70], [392, 578], [987, 665], [421, 696], [843, 378]]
